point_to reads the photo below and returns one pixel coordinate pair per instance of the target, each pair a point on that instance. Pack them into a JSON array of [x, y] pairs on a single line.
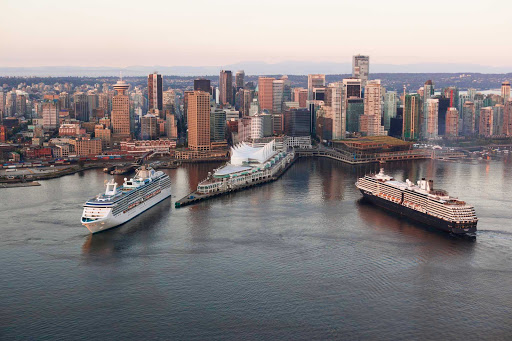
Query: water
[[301, 258]]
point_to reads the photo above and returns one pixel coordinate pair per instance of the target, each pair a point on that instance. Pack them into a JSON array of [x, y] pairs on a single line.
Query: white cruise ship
[[120, 204]]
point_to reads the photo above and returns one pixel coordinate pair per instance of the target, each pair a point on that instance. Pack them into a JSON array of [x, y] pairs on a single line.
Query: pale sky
[[221, 32]]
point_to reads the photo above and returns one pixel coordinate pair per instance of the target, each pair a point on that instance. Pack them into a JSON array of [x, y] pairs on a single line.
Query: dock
[[195, 197], [19, 184]]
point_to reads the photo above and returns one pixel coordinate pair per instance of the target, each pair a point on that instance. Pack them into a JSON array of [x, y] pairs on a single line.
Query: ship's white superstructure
[[120, 204]]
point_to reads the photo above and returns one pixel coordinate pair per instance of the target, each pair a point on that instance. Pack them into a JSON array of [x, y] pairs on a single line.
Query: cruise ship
[[420, 202], [120, 204]]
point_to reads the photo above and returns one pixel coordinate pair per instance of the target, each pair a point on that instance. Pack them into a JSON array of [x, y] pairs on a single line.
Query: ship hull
[[111, 221], [440, 224]]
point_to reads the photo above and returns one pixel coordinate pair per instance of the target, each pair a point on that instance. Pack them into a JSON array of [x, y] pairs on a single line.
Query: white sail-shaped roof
[[244, 153]]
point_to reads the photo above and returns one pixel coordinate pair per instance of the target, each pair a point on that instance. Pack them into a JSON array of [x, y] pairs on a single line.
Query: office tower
[[239, 79], [225, 87], [10, 103], [339, 122], [507, 118], [352, 88], [390, 105], [217, 125], [65, 100], [2, 104], [171, 126], [121, 124], [202, 84], [51, 109], [155, 91], [300, 95], [471, 94], [297, 122], [81, 106], [287, 89], [265, 93], [432, 120], [361, 68], [149, 127], [428, 92], [247, 98], [468, 118], [92, 103], [354, 110], [452, 93], [497, 119], [505, 91], [169, 100], [485, 123], [198, 119], [103, 133], [444, 104], [370, 122], [315, 81], [277, 96], [452, 122], [411, 123]]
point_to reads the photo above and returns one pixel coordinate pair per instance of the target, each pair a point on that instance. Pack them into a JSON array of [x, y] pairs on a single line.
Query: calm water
[[302, 258]]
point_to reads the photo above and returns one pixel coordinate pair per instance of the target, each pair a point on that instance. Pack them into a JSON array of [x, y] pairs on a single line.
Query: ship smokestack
[[431, 185]]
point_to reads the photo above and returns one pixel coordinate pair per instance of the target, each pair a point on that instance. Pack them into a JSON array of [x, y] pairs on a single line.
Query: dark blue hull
[[441, 224]]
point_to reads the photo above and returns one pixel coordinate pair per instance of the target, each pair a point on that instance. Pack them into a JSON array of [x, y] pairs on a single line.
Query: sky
[[222, 32]]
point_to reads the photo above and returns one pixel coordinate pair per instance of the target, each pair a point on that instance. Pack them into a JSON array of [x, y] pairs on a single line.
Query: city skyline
[[393, 33]]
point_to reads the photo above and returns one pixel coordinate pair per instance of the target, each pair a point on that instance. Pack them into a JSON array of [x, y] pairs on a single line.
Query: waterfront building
[[80, 106], [121, 124], [104, 134], [149, 127], [297, 122], [315, 81], [300, 95], [51, 109], [452, 122], [468, 119], [390, 106], [370, 122], [497, 119], [428, 93], [354, 110], [411, 122], [505, 91], [84, 147], [225, 88], [155, 91], [202, 84], [217, 125], [198, 119], [335, 92], [485, 122], [507, 118], [432, 120], [361, 68], [277, 96], [239, 79], [265, 94]]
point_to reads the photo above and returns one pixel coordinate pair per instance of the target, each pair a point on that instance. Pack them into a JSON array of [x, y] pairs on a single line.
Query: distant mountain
[[250, 68]]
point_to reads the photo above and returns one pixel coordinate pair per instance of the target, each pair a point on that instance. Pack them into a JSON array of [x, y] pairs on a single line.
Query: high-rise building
[[452, 93], [468, 118], [104, 134], [485, 123], [225, 87], [300, 95], [247, 97], [239, 79], [507, 118], [297, 122], [336, 99], [428, 92], [287, 89], [65, 100], [202, 84], [452, 122], [169, 100], [354, 110], [171, 127], [217, 125], [352, 88], [155, 91], [92, 103], [121, 127], [315, 81], [432, 119], [198, 119], [51, 108], [266, 93], [390, 106], [277, 96], [411, 122], [361, 68], [370, 122], [505, 91], [497, 119], [81, 106], [149, 127]]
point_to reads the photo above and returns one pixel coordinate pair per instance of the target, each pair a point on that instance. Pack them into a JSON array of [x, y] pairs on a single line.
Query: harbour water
[[301, 258]]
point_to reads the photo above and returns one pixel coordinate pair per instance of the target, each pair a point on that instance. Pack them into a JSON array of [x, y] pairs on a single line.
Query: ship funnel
[[431, 185]]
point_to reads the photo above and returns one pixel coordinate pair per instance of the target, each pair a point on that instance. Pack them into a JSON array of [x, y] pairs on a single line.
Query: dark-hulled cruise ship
[[420, 202]]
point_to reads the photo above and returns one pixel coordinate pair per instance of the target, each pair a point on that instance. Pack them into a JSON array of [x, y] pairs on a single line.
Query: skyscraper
[[505, 91], [428, 92], [202, 84], [370, 122], [198, 118], [361, 68], [155, 91], [486, 124], [149, 127], [452, 122], [217, 125], [432, 119], [315, 81], [225, 87], [239, 79], [51, 108], [497, 119], [390, 106], [265, 93], [121, 112], [339, 122], [80, 105], [468, 118], [277, 96], [507, 118], [411, 122]]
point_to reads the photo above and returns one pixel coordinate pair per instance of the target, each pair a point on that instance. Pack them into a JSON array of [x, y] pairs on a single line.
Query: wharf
[[19, 184], [196, 197]]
